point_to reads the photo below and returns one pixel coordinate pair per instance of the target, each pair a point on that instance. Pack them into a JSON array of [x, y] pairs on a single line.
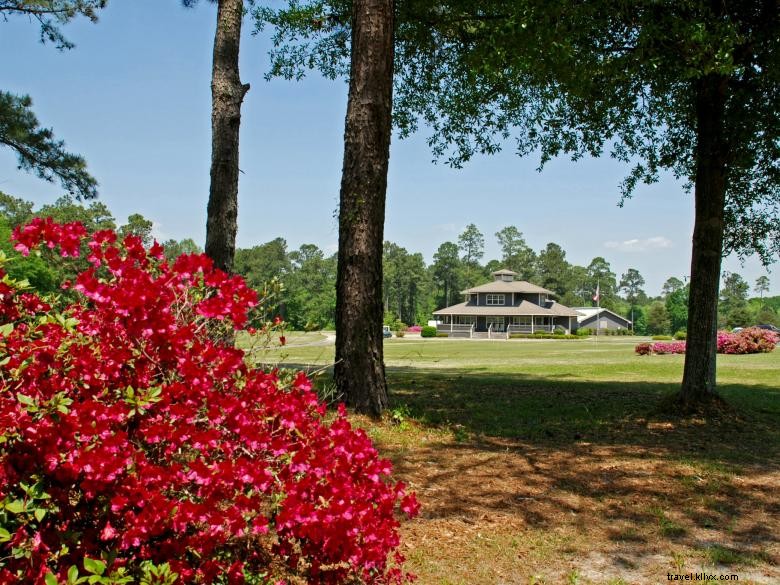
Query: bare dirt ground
[[499, 511]]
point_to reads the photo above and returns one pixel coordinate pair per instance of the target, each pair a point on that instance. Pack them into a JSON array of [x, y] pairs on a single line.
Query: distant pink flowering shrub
[[414, 329], [644, 348], [751, 340], [664, 347]]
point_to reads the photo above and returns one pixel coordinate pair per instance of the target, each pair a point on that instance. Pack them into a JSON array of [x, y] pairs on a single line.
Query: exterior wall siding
[[519, 297], [608, 321]]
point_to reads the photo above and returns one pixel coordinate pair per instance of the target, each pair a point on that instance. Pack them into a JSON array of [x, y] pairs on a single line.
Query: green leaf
[[15, 507], [50, 579], [73, 574], [7, 329], [94, 566], [24, 399], [5, 536], [39, 513]]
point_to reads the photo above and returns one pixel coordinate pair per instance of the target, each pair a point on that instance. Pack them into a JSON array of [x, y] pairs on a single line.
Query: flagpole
[[598, 306]]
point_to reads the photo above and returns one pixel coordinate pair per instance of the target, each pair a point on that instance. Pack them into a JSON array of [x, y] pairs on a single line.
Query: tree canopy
[[51, 14]]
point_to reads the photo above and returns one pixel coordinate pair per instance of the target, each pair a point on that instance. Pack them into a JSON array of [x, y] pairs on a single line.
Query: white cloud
[[448, 228], [637, 245]]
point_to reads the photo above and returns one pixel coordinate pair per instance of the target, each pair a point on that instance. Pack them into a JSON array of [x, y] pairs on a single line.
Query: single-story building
[[600, 318]]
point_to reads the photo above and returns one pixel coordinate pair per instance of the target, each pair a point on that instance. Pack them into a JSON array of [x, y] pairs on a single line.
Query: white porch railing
[[456, 328], [527, 328]]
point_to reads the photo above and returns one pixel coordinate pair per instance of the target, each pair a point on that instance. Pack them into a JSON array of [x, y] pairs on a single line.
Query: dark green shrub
[[428, 331]]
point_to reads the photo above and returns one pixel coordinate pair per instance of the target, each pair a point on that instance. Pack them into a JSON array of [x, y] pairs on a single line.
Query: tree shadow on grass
[[597, 459], [555, 412]]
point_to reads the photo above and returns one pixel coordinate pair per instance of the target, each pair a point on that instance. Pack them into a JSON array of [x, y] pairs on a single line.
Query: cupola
[[504, 275]]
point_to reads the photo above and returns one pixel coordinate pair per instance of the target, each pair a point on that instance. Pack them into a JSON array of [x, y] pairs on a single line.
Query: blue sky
[[133, 98]]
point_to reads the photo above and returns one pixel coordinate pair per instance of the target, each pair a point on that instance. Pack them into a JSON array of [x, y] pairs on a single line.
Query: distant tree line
[[412, 289]]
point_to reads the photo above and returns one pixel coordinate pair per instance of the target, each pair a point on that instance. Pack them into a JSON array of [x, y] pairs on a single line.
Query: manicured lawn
[[549, 462]]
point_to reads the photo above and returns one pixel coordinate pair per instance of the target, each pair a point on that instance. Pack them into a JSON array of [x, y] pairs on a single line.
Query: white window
[[495, 300]]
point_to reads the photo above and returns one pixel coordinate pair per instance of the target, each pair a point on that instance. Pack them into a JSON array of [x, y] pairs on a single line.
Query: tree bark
[[360, 370], [698, 385], [227, 94]]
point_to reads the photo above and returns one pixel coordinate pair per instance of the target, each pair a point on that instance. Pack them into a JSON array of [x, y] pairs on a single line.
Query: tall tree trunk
[[360, 370], [698, 384], [227, 93]]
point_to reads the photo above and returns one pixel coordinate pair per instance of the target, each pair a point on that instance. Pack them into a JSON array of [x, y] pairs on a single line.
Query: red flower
[[155, 442]]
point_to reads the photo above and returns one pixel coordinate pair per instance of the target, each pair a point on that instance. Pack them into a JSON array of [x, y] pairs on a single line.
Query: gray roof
[[524, 308], [585, 313], [503, 286]]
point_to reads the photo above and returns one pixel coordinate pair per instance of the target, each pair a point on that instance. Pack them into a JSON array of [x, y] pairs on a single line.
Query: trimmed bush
[[662, 338], [428, 331], [442, 334], [680, 335], [133, 442]]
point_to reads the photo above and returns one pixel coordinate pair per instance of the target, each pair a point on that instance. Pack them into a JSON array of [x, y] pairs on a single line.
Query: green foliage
[[662, 338], [37, 150], [640, 321], [762, 285], [680, 335], [445, 269], [472, 244], [672, 284], [137, 225], [32, 269], [600, 275], [632, 282], [733, 293], [677, 309], [406, 286], [14, 210], [516, 254], [174, 248], [51, 14], [428, 331], [658, 321]]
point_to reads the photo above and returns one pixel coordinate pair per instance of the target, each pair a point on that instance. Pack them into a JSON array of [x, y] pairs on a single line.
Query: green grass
[[564, 444], [560, 392]]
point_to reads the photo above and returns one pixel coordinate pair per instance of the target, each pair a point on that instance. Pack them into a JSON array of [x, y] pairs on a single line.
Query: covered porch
[[468, 325]]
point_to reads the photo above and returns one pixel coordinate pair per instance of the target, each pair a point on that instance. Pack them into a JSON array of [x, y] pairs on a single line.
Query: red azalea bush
[[132, 444], [643, 348], [414, 329], [750, 340]]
